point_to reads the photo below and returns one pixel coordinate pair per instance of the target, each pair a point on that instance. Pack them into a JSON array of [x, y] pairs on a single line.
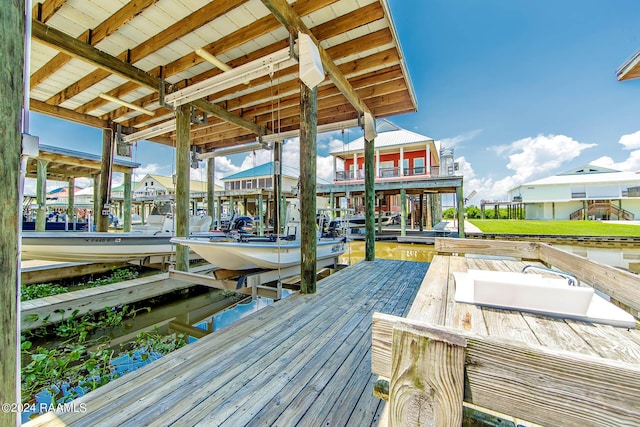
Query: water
[[388, 250]]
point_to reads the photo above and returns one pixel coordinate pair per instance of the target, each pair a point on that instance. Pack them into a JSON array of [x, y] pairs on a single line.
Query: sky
[[519, 89]]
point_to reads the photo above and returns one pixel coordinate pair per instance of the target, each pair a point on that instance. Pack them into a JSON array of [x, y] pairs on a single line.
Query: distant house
[[404, 161], [260, 177], [588, 192], [151, 186]]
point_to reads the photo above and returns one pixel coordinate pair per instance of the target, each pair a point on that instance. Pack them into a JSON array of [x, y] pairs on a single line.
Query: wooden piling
[[183, 122], [71, 212], [41, 196], [426, 387], [460, 205], [211, 187], [369, 200], [102, 211], [307, 193], [126, 216], [12, 22], [403, 212]]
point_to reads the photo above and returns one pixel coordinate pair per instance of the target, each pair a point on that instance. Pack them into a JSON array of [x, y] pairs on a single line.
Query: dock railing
[[428, 372]]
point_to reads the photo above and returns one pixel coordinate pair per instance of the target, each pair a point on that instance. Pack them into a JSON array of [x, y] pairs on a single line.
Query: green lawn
[[581, 228]]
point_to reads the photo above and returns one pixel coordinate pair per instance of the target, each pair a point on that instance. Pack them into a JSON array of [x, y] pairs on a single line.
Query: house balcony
[[389, 174]]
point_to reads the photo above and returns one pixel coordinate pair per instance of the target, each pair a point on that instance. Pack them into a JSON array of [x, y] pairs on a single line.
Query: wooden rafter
[[69, 45], [293, 23], [93, 37]]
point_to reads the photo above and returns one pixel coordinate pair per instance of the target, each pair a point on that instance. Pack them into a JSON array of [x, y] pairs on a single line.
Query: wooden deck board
[[291, 359]]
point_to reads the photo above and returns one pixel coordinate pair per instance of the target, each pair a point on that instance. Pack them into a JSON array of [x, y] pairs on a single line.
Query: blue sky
[[520, 89]]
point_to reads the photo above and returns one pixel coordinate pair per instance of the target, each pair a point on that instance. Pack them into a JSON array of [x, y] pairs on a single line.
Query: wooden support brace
[[426, 386]]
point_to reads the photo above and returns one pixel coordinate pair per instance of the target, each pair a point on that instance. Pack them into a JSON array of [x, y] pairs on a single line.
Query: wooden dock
[[306, 360], [549, 371]]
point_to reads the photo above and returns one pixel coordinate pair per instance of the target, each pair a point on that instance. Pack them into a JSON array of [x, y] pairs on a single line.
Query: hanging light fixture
[[159, 129], [126, 104], [235, 76]]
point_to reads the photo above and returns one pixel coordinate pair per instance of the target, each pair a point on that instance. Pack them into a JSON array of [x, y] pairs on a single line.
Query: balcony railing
[[387, 173]]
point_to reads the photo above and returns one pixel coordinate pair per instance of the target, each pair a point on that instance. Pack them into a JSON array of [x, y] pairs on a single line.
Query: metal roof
[[598, 176], [263, 170], [389, 135], [131, 49], [63, 164]]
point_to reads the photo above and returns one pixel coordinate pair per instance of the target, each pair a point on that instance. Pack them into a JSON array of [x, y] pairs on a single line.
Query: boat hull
[[250, 255], [94, 247]]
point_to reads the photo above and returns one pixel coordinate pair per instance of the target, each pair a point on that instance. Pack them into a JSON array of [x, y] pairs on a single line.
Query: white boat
[[357, 221], [271, 252], [152, 239], [255, 252], [94, 247]]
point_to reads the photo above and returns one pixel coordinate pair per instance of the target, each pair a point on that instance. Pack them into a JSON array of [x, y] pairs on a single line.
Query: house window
[[405, 167], [418, 166]]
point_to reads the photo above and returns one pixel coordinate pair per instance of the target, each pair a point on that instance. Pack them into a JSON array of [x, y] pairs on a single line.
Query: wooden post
[[379, 201], [12, 22], [41, 195], [369, 200], [421, 214], [102, 214], [142, 208], [211, 187], [183, 122], [96, 202], [126, 215], [260, 216], [307, 193], [403, 212], [460, 204], [426, 386], [71, 212], [277, 187], [219, 211]]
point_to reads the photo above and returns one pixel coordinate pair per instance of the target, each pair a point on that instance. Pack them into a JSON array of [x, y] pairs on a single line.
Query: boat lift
[[248, 282]]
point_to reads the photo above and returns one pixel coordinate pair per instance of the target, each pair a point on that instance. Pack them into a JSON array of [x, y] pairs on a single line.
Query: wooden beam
[[522, 250], [66, 114], [77, 49], [620, 285], [93, 37], [426, 386], [45, 10], [518, 379], [369, 200], [102, 214], [61, 41], [293, 23], [195, 20], [307, 194], [183, 122], [12, 22]]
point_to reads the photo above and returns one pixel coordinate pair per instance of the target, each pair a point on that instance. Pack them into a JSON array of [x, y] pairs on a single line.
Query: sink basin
[[538, 294]]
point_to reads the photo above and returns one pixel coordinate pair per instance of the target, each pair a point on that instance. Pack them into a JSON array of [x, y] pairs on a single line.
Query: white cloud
[[631, 164], [630, 141], [151, 168], [528, 158], [453, 141]]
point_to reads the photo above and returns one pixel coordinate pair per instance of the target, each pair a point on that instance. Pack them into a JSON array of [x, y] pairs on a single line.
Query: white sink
[[538, 294]]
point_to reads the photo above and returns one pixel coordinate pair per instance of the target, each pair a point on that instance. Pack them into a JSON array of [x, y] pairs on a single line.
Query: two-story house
[[587, 192], [404, 163]]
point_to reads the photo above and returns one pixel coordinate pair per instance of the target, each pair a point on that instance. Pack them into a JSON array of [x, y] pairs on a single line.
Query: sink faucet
[[573, 280]]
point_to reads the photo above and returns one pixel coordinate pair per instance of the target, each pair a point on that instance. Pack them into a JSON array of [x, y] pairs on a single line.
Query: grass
[[555, 227]]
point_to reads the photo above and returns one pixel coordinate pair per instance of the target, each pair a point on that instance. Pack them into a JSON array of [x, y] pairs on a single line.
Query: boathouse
[[197, 76], [586, 192]]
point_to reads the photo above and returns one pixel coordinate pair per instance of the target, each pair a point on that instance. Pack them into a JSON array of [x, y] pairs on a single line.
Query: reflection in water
[[389, 250]]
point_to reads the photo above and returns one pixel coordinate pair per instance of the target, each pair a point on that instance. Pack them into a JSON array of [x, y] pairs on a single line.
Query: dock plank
[[316, 343]]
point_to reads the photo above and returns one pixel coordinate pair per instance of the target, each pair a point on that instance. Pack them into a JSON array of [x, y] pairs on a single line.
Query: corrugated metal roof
[[389, 135], [262, 171], [87, 156], [600, 176]]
